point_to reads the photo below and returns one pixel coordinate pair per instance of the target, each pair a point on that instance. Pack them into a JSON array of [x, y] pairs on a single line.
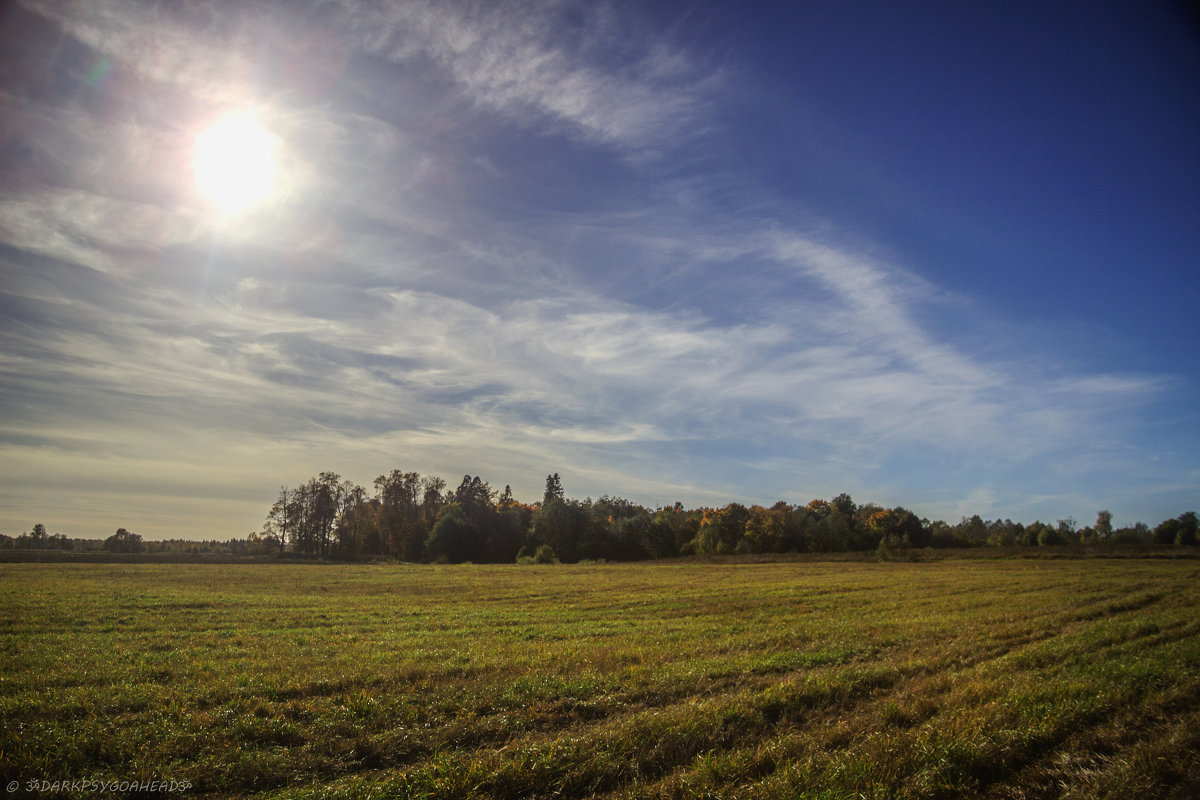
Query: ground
[[1000, 678]]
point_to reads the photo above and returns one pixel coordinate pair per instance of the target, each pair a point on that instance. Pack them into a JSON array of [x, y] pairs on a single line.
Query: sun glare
[[235, 163]]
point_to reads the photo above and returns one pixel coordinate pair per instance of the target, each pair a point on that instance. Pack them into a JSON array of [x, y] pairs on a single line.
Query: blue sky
[[931, 254]]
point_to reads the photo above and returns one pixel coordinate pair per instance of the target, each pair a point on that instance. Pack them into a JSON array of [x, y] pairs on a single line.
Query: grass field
[[1002, 678]]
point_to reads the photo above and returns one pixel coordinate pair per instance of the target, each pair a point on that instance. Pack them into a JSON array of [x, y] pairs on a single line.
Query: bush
[[894, 548]]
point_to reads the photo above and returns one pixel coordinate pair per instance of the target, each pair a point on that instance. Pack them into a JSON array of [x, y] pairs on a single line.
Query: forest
[[416, 518], [411, 517]]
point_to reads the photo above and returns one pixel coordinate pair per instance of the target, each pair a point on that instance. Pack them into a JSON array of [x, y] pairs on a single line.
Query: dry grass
[[1008, 679]]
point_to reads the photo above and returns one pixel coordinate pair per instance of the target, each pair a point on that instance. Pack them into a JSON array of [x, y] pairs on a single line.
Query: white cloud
[[206, 52], [521, 59]]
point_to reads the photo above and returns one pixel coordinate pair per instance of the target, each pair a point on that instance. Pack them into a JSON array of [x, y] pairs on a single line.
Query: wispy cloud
[[532, 61]]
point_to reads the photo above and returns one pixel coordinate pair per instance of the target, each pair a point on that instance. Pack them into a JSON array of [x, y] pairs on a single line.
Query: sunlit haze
[[235, 163]]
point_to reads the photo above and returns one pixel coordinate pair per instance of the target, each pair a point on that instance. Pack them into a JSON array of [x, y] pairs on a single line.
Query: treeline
[[410, 517], [126, 542]]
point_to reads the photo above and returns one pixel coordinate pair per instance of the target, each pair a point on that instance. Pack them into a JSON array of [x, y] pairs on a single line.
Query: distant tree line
[[123, 541], [410, 517]]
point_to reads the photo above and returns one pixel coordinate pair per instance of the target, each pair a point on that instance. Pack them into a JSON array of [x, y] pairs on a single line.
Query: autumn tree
[[897, 527], [357, 522], [721, 530], [766, 529], [402, 528]]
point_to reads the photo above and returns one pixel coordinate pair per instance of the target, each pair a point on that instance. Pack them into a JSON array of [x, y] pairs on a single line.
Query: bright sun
[[235, 163]]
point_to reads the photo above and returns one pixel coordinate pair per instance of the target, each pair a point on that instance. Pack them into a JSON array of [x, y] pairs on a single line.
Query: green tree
[[506, 498], [972, 530], [844, 504], [1048, 536], [1187, 529], [453, 537], [433, 497], [554, 489], [124, 542], [508, 533], [722, 530], [898, 526], [561, 525], [1103, 526], [1138, 533]]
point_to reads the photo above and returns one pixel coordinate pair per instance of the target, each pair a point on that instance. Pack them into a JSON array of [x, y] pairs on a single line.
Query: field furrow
[[998, 678]]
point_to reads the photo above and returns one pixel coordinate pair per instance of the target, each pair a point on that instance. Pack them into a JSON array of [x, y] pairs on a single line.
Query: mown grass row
[[977, 679]]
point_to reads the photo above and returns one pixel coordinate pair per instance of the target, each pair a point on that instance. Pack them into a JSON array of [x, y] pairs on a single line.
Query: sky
[[939, 255]]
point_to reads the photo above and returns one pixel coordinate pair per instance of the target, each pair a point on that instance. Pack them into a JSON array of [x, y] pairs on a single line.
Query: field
[[1006, 678]]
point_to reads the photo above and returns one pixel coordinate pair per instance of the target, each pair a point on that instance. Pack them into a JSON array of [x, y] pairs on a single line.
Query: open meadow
[[1000, 678]]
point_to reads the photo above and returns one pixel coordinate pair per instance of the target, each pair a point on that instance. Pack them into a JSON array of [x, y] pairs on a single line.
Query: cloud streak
[[514, 58]]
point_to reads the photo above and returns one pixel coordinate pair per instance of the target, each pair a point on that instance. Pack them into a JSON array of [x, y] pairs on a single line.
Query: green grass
[[822, 680]]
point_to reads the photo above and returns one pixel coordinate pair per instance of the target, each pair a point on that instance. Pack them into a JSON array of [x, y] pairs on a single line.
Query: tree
[[833, 533], [722, 530], [973, 530], [1138, 533], [432, 499], [452, 537], [554, 489], [1068, 530], [1188, 530], [844, 504], [1048, 536], [563, 525], [474, 495], [278, 519], [1103, 526], [508, 533], [402, 523], [124, 542], [1004, 533], [820, 509], [766, 529], [898, 527], [356, 520], [1165, 531]]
